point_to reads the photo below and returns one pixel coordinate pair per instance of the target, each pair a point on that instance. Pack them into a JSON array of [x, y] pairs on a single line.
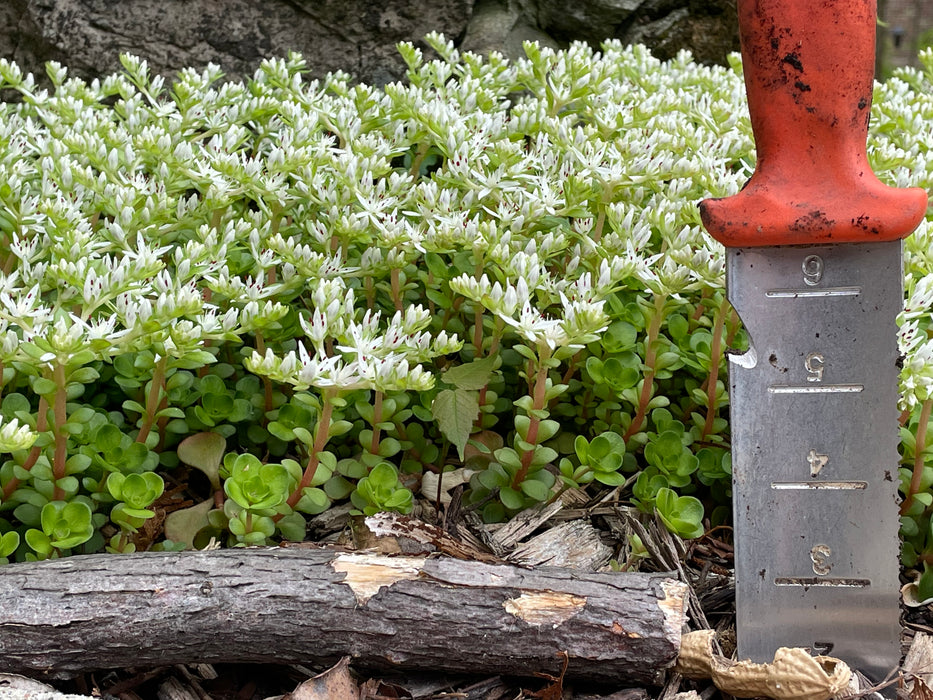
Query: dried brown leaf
[[793, 675], [555, 689], [335, 682]]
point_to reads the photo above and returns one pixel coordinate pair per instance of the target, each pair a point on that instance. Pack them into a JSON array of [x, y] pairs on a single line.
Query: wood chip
[[174, 689], [627, 694], [525, 523], [395, 525], [572, 545]]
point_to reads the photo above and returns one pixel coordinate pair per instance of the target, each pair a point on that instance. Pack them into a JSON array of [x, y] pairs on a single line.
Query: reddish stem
[[321, 436], [654, 328], [395, 280], [600, 223], [449, 313], [734, 322], [161, 423], [478, 330], [153, 399], [422, 151], [715, 352], [919, 448], [701, 306], [58, 429], [493, 348], [571, 368], [540, 390], [377, 419], [266, 382]]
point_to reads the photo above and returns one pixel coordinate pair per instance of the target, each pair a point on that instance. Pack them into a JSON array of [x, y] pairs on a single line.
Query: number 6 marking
[[819, 555], [812, 267]]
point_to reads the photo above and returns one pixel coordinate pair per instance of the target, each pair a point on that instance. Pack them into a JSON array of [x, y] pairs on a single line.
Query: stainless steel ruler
[[814, 439]]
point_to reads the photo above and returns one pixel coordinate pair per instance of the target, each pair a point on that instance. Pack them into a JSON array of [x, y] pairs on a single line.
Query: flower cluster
[[352, 280]]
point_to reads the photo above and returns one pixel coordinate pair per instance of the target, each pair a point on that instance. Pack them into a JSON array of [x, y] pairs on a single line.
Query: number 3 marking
[[819, 555]]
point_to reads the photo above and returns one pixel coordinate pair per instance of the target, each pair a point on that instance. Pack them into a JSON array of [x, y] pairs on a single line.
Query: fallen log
[[66, 616]]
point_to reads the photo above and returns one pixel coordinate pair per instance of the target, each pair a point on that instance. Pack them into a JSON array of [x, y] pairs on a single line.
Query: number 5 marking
[[814, 365]]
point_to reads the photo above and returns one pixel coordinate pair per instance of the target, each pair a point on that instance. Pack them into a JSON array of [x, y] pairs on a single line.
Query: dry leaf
[[910, 595], [555, 690], [335, 682], [375, 689], [183, 524], [918, 667], [449, 481], [793, 675]]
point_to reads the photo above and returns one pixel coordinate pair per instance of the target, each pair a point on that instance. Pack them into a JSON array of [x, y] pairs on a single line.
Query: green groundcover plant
[[312, 292]]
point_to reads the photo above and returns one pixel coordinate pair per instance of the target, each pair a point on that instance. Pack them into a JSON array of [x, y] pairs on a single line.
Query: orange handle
[[809, 71]]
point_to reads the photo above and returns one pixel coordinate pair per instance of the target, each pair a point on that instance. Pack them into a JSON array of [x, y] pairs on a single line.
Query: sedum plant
[[270, 297]]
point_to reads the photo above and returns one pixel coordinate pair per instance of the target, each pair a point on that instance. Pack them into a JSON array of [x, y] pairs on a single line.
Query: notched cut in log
[[71, 615], [546, 608], [366, 576]]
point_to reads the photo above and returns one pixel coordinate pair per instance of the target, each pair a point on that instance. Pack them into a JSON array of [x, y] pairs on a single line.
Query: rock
[[357, 36], [591, 21], [502, 25], [707, 27]]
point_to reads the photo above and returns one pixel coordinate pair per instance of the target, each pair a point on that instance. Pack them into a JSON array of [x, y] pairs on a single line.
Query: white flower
[[15, 437], [316, 328], [917, 376], [66, 337], [669, 279], [534, 326]]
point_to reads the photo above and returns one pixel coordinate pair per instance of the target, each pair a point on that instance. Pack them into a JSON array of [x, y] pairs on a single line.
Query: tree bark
[[82, 613]]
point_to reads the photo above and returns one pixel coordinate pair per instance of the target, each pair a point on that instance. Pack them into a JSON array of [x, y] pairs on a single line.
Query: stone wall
[[357, 36]]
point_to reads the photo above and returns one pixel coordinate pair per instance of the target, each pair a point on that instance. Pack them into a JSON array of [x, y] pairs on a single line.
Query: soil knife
[[814, 270]]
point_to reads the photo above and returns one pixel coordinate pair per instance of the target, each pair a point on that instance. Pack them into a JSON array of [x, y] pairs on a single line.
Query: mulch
[[577, 532]]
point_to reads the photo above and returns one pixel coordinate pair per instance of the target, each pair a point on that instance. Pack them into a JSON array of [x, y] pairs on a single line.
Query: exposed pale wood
[[574, 545], [525, 523], [395, 525], [303, 605]]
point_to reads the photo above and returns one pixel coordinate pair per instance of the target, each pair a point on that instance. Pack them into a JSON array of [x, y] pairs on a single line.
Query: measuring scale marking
[[811, 464], [800, 293], [822, 389], [804, 485]]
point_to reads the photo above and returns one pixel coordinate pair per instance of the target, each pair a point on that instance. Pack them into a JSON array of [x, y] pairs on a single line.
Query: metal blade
[[814, 444]]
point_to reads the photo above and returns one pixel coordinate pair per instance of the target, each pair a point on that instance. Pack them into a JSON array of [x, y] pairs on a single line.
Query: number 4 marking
[[817, 462]]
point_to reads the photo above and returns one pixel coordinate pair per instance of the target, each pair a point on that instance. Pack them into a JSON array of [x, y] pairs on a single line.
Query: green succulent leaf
[[66, 524]]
